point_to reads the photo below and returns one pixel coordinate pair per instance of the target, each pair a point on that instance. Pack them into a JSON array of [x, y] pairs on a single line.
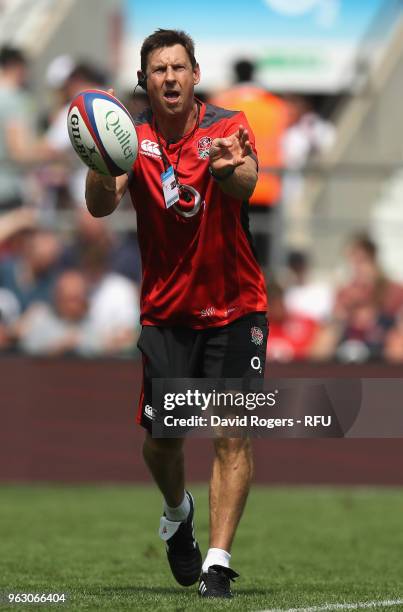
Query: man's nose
[[170, 74]]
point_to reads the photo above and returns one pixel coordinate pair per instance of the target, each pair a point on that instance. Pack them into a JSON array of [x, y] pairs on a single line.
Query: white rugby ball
[[102, 132]]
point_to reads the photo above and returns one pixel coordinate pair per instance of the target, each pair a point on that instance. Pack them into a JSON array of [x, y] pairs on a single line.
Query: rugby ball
[[102, 132]]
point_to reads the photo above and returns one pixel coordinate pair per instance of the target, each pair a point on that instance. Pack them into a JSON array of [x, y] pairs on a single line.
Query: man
[[203, 300], [80, 77], [19, 147], [268, 116], [13, 113]]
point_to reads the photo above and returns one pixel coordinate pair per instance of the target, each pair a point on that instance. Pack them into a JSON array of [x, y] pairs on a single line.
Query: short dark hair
[[363, 241], [10, 56], [244, 70], [298, 261], [166, 38], [84, 71]]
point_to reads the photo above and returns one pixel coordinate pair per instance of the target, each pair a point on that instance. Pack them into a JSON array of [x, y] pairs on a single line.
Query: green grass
[[295, 547]]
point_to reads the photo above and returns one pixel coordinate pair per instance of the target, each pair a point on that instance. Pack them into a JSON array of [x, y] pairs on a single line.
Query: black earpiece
[[142, 82]]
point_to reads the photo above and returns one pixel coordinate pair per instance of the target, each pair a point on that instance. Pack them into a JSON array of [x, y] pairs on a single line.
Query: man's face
[[71, 296], [20, 73], [362, 266], [171, 80]]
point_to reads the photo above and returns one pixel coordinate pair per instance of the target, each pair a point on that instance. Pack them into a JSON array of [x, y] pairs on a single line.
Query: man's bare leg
[[165, 460], [229, 488]]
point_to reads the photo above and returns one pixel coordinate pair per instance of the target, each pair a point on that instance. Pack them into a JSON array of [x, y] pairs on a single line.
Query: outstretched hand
[[230, 152]]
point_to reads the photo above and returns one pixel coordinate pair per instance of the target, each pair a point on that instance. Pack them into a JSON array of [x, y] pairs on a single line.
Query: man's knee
[[229, 449]]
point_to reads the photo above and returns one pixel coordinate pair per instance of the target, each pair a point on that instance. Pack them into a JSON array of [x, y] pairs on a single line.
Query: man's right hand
[[103, 193]]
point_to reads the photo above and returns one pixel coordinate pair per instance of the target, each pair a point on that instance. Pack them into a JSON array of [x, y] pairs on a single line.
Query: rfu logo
[[203, 147], [150, 148], [257, 336]]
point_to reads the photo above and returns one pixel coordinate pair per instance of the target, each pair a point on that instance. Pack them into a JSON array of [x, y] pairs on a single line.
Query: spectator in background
[[114, 300], [77, 78], [307, 135], [89, 232], [61, 327], [367, 284], [365, 308], [9, 315], [363, 334], [73, 323], [12, 225], [14, 113], [291, 335], [109, 322], [122, 251], [304, 295], [57, 74], [19, 148], [31, 273], [267, 116], [393, 346]]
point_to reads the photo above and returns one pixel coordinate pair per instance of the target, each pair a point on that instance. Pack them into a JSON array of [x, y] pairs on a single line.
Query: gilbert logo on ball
[[102, 132]]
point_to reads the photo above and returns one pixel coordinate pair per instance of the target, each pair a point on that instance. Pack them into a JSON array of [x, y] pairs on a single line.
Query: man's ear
[[141, 79], [196, 75]]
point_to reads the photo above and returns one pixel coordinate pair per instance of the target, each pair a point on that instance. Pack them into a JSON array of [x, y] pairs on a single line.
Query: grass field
[[296, 547]]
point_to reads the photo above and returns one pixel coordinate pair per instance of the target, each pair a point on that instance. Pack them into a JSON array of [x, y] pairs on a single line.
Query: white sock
[[180, 513], [216, 556]]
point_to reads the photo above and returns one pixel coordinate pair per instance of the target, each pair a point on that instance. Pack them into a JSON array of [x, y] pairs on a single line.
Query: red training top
[[198, 271]]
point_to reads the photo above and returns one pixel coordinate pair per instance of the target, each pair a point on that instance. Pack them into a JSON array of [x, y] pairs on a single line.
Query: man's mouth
[[171, 96]]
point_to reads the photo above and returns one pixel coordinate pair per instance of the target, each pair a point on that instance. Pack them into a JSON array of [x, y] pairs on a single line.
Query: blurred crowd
[[357, 320], [72, 291], [75, 290], [71, 296]]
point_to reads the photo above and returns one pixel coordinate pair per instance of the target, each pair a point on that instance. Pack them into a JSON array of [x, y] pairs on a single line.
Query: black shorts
[[237, 350]]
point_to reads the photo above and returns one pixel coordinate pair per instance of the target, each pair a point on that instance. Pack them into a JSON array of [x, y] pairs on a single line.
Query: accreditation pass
[[169, 187]]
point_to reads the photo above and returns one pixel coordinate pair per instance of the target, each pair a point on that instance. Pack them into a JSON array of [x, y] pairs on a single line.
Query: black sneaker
[[183, 551], [216, 582]]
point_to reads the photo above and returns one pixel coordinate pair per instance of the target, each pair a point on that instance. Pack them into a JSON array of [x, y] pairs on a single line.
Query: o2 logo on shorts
[[256, 336], [256, 364]]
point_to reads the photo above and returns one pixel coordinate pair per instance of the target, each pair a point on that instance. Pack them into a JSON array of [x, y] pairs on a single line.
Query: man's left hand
[[230, 152]]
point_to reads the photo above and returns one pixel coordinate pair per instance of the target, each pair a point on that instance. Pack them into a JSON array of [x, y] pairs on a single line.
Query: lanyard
[[165, 159]]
